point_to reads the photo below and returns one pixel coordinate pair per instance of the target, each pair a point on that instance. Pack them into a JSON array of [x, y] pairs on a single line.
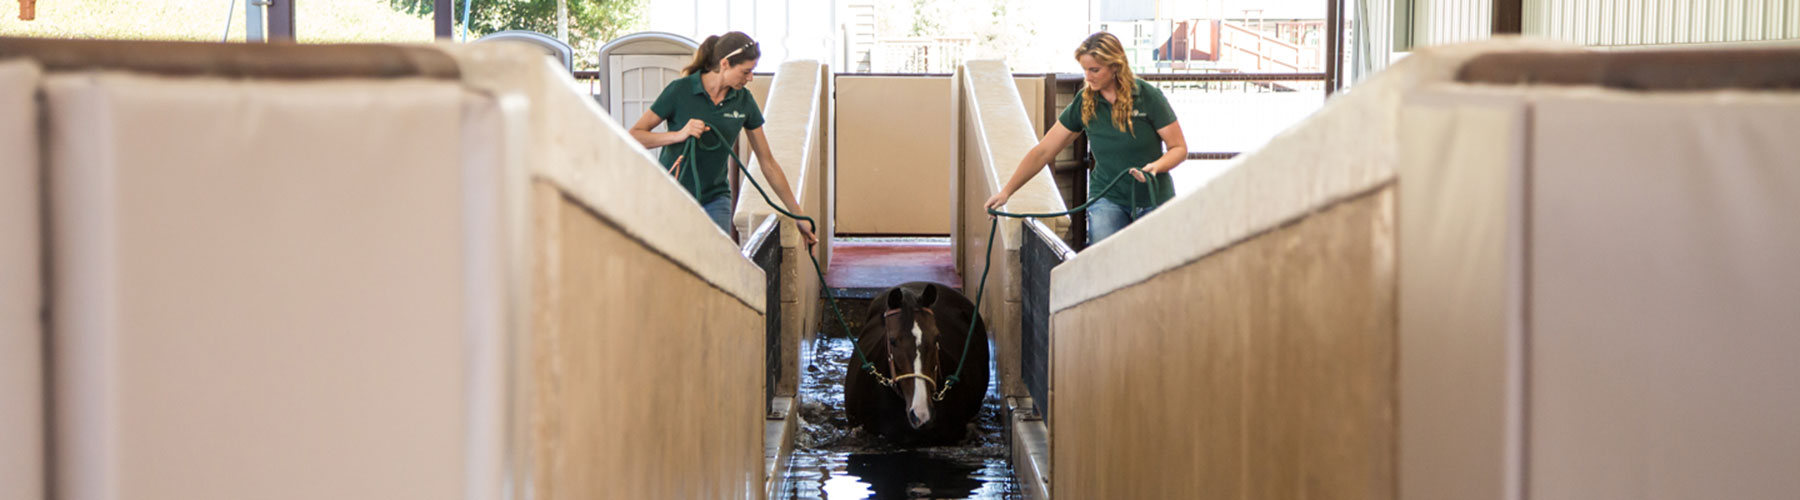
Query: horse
[[915, 335]]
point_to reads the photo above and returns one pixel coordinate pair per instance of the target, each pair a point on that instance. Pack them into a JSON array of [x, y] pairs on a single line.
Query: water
[[833, 461]]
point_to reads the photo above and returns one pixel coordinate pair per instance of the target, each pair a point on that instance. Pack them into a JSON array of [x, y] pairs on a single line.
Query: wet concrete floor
[[832, 461]]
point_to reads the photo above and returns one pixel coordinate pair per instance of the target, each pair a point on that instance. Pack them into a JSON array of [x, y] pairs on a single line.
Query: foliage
[[591, 22], [317, 21]]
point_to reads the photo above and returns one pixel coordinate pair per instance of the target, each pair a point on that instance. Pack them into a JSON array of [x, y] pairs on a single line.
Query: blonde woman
[[1130, 127], [710, 94]]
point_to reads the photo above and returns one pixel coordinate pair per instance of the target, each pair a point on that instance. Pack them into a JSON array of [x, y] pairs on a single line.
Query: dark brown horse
[[914, 335]]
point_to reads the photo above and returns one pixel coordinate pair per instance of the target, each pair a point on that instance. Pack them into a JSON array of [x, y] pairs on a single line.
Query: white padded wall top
[[1346, 148], [1460, 247], [21, 288], [792, 114], [262, 289], [577, 146], [1663, 283], [999, 114]]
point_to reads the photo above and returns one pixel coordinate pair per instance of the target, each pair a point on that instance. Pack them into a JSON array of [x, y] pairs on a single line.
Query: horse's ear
[[896, 299], [928, 296]]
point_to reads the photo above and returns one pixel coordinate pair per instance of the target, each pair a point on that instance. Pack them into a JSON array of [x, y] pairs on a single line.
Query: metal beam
[[441, 17], [1509, 17], [1334, 36], [281, 20]]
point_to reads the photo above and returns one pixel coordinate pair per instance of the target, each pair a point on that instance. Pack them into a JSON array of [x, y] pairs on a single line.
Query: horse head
[[910, 330]]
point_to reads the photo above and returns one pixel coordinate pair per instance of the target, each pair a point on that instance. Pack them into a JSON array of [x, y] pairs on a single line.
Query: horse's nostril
[[913, 418]]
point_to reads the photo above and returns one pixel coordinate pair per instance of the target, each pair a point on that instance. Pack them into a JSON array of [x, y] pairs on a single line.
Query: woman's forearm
[[1028, 168], [650, 139], [1169, 160]]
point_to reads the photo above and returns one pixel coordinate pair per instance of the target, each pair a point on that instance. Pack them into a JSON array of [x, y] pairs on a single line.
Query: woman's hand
[[806, 232], [694, 128], [1141, 173], [999, 200]]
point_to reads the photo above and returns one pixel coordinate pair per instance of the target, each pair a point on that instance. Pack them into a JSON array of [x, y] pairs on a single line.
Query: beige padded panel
[[577, 145], [891, 177], [21, 288], [263, 289], [1346, 148], [1664, 283], [648, 381], [1461, 329], [1263, 371]]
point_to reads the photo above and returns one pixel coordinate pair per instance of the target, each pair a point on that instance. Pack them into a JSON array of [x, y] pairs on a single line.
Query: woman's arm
[[778, 180], [644, 131], [1054, 141], [1171, 158]]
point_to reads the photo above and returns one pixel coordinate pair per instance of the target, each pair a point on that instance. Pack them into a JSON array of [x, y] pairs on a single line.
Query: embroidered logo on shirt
[[735, 114], [1139, 114]]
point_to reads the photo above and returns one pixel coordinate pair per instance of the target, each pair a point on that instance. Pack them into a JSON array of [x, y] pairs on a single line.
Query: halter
[[894, 383]]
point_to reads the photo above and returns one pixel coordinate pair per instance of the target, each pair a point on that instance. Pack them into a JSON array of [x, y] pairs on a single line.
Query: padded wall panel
[[1461, 243], [1664, 283], [21, 288], [1265, 370], [262, 289]]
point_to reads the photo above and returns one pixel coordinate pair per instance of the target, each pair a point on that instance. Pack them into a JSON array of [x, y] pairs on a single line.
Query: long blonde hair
[[1106, 49]]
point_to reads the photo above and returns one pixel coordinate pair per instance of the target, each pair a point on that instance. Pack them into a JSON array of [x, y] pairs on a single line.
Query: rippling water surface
[[833, 461]]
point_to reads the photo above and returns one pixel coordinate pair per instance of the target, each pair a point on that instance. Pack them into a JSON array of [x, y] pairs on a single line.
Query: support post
[[281, 20], [442, 13]]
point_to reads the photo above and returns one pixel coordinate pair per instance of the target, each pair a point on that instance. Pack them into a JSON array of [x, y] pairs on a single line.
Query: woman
[[1128, 123], [710, 94]]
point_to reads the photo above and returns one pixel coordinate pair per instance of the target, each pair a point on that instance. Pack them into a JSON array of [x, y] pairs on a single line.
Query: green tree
[[591, 22]]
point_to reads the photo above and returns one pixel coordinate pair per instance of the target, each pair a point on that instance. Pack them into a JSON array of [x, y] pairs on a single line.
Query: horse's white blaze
[[921, 406]]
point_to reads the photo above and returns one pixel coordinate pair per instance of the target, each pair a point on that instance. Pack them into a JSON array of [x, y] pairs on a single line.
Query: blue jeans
[[1106, 217], [719, 209]]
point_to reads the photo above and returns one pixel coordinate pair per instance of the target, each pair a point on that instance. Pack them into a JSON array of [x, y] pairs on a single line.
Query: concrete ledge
[[1029, 440], [778, 445]]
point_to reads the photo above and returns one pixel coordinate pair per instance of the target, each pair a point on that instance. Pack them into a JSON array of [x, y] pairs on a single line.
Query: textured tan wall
[[891, 147], [1265, 370], [647, 380], [891, 176]]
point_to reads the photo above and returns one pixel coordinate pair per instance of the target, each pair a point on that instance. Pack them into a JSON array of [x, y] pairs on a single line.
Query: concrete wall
[[1437, 290], [367, 285], [1265, 370], [1249, 326], [797, 119], [647, 381], [992, 130], [615, 406]]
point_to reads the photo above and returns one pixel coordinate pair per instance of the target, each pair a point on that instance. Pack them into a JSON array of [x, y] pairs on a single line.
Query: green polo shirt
[[685, 99], [1115, 150]]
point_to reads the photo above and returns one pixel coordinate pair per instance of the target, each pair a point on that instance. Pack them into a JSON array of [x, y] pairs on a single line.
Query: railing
[[1041, 251], [797, 115], [764, 248], [1259, 47]]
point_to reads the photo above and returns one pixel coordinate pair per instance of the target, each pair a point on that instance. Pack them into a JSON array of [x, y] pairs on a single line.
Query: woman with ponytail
[[1128, 123], [710, 94]]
